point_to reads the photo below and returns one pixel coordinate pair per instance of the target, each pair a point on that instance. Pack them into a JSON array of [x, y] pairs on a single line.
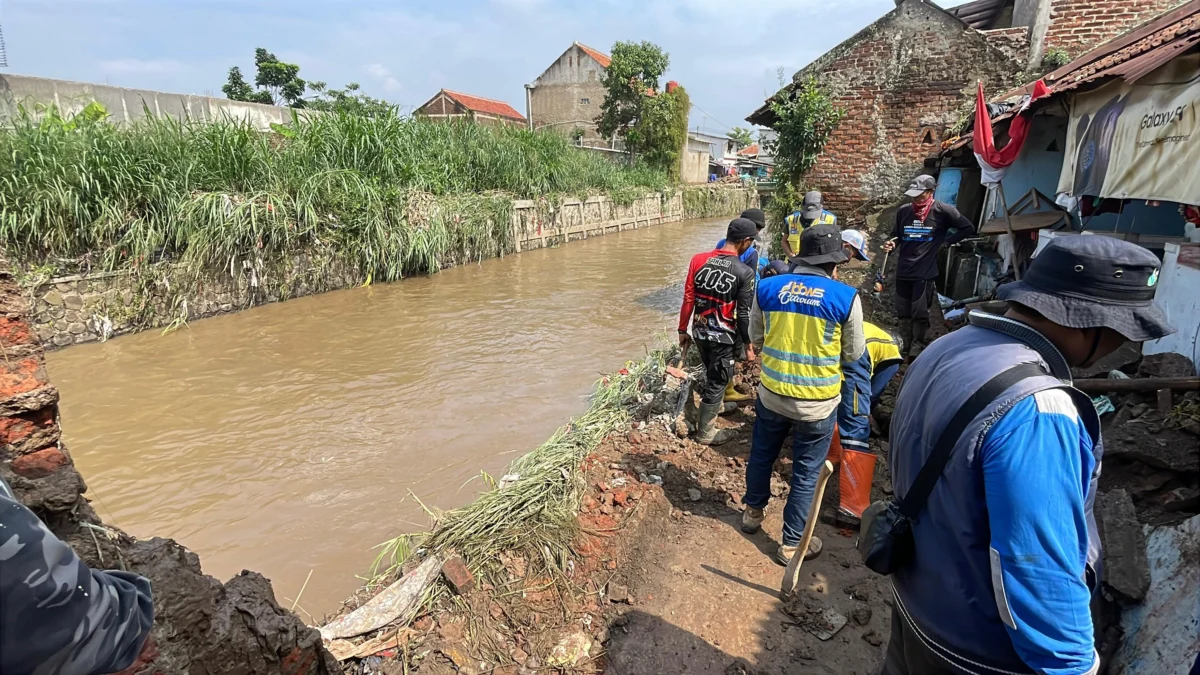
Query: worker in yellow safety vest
[[812, 212], [806, 326]]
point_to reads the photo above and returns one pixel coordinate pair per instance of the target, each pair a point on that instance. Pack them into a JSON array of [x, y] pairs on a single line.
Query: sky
[[727, 53]]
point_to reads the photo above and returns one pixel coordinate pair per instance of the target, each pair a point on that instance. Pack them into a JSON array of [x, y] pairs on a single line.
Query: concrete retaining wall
[[86, 308], [127, 105]]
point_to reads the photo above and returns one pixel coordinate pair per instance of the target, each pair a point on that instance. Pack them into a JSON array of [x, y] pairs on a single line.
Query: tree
[[630, 80], [741, 135], [278, 83], [348, 100], [236, 89], [805, 119], [661, 133]]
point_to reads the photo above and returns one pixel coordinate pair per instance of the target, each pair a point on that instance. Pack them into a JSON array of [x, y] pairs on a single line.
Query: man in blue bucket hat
[[1005, 546]]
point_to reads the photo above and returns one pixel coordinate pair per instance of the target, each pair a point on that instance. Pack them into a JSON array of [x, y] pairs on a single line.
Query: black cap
[[814, 204], [920, 185], [1093, 281], [757, 216], [741, 228], [821, 244]]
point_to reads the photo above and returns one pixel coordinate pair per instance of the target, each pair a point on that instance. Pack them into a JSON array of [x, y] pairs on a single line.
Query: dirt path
[[701, 597]]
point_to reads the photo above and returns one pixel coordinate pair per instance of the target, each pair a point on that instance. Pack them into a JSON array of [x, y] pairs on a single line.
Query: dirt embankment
[[660, 579], [201, 625]]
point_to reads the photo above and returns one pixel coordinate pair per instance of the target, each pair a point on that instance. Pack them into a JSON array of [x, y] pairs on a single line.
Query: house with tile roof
[[446, 105], [566, 97]]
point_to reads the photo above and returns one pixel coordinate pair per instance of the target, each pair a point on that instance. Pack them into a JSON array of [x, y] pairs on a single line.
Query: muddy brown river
[[288, 438]]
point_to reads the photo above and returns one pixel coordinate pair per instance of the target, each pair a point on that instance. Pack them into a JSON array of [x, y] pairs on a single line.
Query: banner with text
[[1139, 141]]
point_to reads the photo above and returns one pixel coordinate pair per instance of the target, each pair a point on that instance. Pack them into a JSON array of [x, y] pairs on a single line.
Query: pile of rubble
[[1147, 513]]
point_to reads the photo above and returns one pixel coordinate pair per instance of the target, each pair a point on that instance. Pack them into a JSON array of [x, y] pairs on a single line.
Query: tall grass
[[209, 193]]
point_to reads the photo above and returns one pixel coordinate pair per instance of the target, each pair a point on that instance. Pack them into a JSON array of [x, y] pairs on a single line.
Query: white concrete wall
[[1177, 296], [128, 105]]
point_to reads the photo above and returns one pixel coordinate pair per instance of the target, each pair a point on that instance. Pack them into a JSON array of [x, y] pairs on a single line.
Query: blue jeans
[[879, 381], [810, 444]]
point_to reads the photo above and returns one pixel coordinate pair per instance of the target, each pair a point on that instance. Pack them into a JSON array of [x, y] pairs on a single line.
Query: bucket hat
[[821, 244], [1093, 281]]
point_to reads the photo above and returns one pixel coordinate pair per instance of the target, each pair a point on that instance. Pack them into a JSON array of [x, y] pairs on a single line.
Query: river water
[[288, 438]]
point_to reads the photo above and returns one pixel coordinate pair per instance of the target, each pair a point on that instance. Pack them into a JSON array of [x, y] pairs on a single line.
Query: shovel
[[791, 575]]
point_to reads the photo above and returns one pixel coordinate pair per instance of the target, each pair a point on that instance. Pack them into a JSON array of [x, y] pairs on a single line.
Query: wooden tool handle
[[792, 574]]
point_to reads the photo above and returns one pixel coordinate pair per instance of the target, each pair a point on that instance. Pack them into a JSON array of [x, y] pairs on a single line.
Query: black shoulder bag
[[885, 542]]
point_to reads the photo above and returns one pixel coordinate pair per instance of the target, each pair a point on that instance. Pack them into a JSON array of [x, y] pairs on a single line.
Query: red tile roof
[[487, 106], [601, 58], [749, 150]]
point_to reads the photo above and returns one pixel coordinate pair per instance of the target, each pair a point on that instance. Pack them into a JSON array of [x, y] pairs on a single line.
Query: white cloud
[[380, 72], [141, 66]]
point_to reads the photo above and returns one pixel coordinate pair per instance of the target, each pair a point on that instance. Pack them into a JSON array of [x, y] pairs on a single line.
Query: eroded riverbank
[[287, 438]]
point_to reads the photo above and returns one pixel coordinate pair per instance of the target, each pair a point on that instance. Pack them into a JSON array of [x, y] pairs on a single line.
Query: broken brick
[[39, 464], [458, 576]]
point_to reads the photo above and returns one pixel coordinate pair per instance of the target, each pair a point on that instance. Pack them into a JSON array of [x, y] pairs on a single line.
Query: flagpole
[[1008, 225]]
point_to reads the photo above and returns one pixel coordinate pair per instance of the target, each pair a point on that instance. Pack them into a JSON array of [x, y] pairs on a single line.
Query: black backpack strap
[[935, 464]]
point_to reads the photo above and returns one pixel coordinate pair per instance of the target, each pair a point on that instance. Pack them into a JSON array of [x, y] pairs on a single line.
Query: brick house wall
[[1079, 25], [903, 82], [568, 95]]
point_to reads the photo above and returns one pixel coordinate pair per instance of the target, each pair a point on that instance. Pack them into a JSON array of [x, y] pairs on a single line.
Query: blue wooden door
[[948, 184]]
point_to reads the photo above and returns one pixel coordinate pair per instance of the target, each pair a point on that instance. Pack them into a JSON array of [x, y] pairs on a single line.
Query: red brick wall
[[1079, 25], [901, 80]]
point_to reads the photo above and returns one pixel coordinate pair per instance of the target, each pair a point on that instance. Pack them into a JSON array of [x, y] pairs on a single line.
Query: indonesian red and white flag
[[995, 162]]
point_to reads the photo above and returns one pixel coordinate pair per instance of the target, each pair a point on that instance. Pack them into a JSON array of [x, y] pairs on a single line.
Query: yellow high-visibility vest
[[795, 225], [881, 346], [803, 316]]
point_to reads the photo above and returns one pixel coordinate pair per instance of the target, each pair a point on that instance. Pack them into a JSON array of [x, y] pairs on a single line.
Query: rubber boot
[[733, 395], [906, 336], [728, 408], [708, 434], [920, 329]]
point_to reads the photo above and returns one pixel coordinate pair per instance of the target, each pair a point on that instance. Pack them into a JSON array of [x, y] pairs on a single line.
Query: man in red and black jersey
[[717, 298]]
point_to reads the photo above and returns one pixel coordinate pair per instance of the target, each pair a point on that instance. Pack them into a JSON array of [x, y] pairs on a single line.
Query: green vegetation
[[652, 123], [536, 515], [278, 83], [715, 200], [806, 118], [390, 196], [741, 135]]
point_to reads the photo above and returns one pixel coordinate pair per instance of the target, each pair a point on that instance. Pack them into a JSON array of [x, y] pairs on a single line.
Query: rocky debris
[[861, 615], [1163, 633], [1166, 365], [694, 494], [814, 616], [1126, 571], [618, 593], [570, 650]]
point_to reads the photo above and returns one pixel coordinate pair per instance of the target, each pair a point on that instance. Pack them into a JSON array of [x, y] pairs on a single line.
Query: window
[[585, 101]]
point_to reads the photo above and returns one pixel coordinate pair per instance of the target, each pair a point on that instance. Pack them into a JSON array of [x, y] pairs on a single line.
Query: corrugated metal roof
[[979, 14], [601, 58], [488, 106], [1136, 53]]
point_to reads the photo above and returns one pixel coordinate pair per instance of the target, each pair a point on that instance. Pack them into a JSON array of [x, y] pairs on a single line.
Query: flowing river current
[[287, 438]]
